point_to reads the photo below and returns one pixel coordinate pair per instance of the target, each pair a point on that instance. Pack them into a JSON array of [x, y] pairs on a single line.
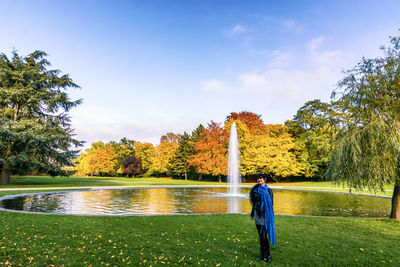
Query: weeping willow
[[367, 156]]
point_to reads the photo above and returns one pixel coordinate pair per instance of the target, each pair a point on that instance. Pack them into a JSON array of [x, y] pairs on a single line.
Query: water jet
[[233, 163]]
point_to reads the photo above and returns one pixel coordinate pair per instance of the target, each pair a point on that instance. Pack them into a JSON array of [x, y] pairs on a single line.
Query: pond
[[204, 200]]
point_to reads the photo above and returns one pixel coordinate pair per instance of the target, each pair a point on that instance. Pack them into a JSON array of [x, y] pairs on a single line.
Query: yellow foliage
[[271, 152]]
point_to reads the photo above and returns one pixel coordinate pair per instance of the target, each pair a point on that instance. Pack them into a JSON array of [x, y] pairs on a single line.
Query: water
[[233, 163], [204, 200]]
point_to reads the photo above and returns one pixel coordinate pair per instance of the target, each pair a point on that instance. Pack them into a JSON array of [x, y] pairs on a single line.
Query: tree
[[313, 127], [252, 120], [123, 149], [99, 159], [145, 152], [132, 166], [272, 152], [211, 152], [179, 164], [367, 149], [35, 130], [104, 162], [164, 153]]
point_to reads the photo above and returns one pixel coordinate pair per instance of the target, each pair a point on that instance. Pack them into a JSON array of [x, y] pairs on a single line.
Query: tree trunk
[[5, 173], [219, 179], [395, 213], [185, 176], [200, 176], [16, 110]]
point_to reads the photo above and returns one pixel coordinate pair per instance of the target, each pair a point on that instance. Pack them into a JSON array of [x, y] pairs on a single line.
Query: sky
[[150, 67]]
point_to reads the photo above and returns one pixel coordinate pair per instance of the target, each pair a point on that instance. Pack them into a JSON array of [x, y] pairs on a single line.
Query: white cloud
[[326, 59], [253, 81], [238, 29], [280, 59], [235, 31], [292, 78], [291, 25], [214, 86], [315, 43]]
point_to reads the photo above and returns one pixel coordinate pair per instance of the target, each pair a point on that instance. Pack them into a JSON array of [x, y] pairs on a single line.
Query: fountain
[[233, 163]]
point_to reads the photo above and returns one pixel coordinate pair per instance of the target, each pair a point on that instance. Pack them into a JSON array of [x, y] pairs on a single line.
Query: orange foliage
[[252, 120], [211, 151]]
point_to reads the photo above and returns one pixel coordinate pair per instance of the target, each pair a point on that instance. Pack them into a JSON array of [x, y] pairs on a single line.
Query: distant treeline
[[299, 148]]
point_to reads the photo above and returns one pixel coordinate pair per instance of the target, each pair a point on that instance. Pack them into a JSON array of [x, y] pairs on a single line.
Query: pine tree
[[179, 163], [35, 130]]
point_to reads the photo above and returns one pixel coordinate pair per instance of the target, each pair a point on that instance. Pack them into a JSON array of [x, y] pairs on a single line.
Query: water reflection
[[195, 201]]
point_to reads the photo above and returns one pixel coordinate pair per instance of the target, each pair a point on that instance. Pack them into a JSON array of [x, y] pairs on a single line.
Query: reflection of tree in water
[[329, 204], [37, 203], [215, 200], [158, 201]]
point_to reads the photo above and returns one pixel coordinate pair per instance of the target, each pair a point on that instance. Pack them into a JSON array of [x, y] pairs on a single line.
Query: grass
[[329, 186], [209, 240], [73, 181]]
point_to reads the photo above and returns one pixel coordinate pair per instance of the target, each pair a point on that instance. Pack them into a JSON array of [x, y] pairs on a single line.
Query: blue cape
[[268, 210]]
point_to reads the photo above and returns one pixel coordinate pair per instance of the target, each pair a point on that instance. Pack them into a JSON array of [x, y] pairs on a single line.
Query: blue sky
[[150, 67]]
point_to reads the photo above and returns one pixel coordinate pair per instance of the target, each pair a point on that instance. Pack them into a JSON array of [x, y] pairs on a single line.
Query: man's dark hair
[[260, 175]]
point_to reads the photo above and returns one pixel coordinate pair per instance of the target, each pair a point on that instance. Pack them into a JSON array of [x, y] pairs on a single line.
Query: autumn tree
[[35, 130], [253, 121], [211, 151], [164, 153], [272, 152], [145, 152], [366, 153], [99, 159], [104, 162], [132, 166]]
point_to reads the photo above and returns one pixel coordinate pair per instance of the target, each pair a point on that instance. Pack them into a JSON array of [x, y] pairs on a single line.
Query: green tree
[[123, 149], [314, 127], [35, 130], [367, 149], [179, 164]]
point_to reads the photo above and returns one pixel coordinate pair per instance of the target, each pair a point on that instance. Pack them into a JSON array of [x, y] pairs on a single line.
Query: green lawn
[[47, 181], [210, 240], [329, 186]]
